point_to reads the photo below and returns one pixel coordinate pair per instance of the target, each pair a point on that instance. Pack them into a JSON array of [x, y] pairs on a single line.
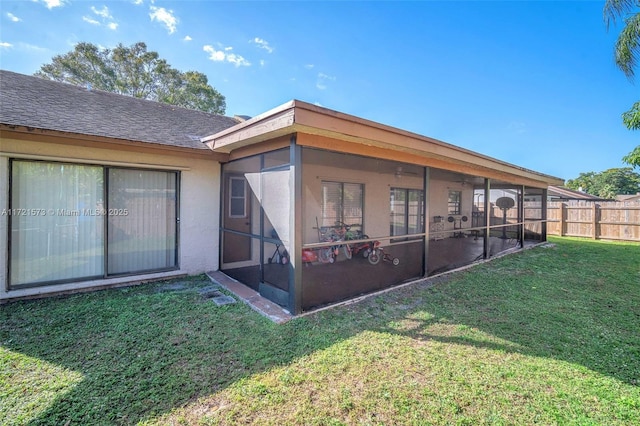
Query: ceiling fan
[[400, 171]]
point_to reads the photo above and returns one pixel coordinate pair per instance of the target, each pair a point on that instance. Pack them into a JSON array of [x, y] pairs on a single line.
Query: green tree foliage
[[627, 53], [607, 184], [134, 71], [631, 118], [633, 157]]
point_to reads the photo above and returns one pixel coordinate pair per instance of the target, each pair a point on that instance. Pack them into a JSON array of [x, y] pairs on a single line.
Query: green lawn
[[547, 336]]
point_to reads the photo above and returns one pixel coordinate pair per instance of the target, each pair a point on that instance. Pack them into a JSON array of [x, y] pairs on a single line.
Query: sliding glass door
[[60, 214], [142, 220], [52, 239]]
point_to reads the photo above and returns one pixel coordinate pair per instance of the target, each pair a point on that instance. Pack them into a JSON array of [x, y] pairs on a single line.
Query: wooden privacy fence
[[607, 220]]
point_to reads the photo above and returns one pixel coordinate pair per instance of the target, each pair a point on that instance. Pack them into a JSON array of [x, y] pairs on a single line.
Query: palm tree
[[627, 47], [627, 55]]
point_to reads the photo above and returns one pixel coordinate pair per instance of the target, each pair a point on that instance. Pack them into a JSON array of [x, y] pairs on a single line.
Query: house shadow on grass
[[144, 351]]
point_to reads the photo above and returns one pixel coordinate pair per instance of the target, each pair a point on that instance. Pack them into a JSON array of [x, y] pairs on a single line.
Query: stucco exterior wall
[[439, 197], [199, 205]]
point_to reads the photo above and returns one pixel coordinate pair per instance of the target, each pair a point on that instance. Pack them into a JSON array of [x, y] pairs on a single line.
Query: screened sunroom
[[319, 207]]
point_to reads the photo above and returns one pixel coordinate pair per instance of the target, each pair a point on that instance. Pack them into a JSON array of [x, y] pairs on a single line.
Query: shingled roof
[[44, 104], [564, 193]]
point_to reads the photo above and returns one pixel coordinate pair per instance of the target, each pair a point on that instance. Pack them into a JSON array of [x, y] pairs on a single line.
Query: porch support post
[[425, 221], [295, 227], [261, 225], [487, 217], [521, 216]]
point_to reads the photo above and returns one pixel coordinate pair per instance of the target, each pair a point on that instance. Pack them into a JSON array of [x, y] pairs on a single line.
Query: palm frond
[[618, 9], [627, 48]]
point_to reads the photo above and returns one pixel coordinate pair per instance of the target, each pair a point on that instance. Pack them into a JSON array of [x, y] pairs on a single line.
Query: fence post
[[544, 214], [594, 220], [561, 231]]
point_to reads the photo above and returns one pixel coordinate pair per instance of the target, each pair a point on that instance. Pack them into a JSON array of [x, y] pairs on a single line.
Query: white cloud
[[214, 55], [104, 16], [13, 17], [321, 83], [187, 38], [90, 20], [326, 77], [33, 47], [50, 4], [165, 17], [104, 12], [309, 66], [316, 103], [5, 45], [138, 2], [517, 127], [237, 60], [263, 44], [262, 62], [225, 56]]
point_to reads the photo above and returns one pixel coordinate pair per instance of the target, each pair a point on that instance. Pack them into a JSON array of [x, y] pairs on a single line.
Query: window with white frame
[[237, 197], [342, 202], [453, 205], [406, 211]]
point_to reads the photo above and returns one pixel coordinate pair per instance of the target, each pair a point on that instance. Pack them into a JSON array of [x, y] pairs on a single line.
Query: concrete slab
[[210, 292], [209, 289], [265, 307], [223, 300]]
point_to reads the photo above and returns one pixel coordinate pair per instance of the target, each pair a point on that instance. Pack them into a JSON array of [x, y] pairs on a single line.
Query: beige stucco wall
[[439, 197], [199, 204]]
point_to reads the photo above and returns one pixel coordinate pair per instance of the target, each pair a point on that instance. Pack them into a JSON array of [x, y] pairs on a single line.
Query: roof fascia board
[[321, 142], [426, 158], [75, 160], [336, 124], [76, 139], [254, 130], [569, 193], [280, 142], [298, 116]]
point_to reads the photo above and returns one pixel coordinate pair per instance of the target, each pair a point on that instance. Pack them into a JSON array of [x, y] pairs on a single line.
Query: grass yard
[[548, 336]]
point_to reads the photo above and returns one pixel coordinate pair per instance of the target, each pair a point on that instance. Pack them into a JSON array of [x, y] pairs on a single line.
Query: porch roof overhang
[[324, 128]]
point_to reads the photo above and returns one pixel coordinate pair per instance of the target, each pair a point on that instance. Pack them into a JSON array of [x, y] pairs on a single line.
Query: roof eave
[[273, 123], [298, 116], [70, 138]]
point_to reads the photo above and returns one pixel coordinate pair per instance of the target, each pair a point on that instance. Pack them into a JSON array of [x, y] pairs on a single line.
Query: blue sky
[[530, 83]]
